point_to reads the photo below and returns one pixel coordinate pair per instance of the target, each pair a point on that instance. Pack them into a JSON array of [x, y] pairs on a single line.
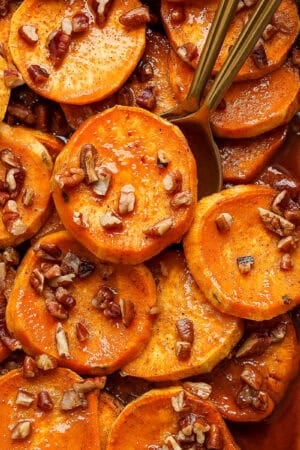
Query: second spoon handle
[[240, 51]]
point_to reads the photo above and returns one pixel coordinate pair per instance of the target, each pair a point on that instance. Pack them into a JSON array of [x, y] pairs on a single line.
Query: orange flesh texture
[[98, 62], [38, 166], [56, 429], [129, 139], [5, 29], [151, 418], [109, 410], [4, 91], [52, 144], [259, 105], [281, 432], [215, 334], [110, 344], [157, 54], [199, 16], [243, 159], [53, 225], [263, 293], [278, 365]]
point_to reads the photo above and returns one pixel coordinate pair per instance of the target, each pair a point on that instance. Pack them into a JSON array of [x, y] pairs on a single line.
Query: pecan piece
[[70, 178], [61, 340], [15, 180], [280, 202], [245, 264], [38, 74], [276, 223], [37, 280], [162, 159], [58, 46], [72, 400], [88, 155], [269, 32], [80, 23], [56, 310], [80, 219], [187, 52], [145, 71], [159, 228], [29, 34], [183, 350], [278, 333], [202, 390], [286, 262], [86, 268], [30, 369], [179, 403], [45, 362], [47, 251], [21, 430], [181, 199], [147, 99], [9, 158], [44, 401], [12, 78], [102, 184], [255, 344], [172, 182], [252, 377], [287, 244], [127, 199], [259, 55], [102, 9], [127, 311], [136, 17], [11, 219], [90, 384], [24, 398], [126, 96], [215, 438], [28, 197], [82, 332], [110, 220], [185, 330], [224, 222]]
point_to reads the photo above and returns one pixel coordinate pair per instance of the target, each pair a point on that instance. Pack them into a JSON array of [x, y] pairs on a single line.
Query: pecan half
[[136, 17], [88, 155]]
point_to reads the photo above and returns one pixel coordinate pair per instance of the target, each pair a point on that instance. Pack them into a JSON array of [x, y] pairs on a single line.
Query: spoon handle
[[211, 49], [240, 51]]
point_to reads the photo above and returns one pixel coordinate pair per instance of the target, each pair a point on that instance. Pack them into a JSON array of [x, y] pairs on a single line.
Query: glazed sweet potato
[[92, 317], [4, 90], [109, 410], [247, 386], [34, 412], [188, 33], [148, 87], [12, 5], [25, 185], [236, 251], [169, 416], [75, 67], [281, 432], [243, 159], [52, 143], [189, 336], [133, 180]]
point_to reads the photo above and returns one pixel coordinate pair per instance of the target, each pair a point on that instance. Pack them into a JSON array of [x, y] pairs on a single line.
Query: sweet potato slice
[[281, 432], [235, 252], [109, 410], [247, 386], [25, 185], [4, 90], [32, 414], [243, 159], [94, 63], [5, 29], [149, 86], [181, 306], [93, 322], [52, 143], [188, 35], [139, 193], [53, 224], [259, 105], [164, 416]]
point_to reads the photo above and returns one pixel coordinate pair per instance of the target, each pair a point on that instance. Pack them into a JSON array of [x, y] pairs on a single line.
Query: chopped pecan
[[70, 263], [162, 159], [181, 199], [278, 333], [202, 390], [245, 264], [44, 401], [50, 271], [38, 74], [179, 403], [188, 52], [171, 443], [145, 71], [286, 262], [30, 369], [110, 220], [172, 182], [12, 78], [82, 332], [56, 310], [24, 398], [185, 330], [62, 280], [126, 96], [183, 350], [287, 244], [61, 340], [29, 34], [80, 23], [9, 158], [224, 222], [159, 228], [66, 26], [102, 184], [63, 296], [280, 202], [127, 311], [276, 223], [200, 427], [72, 400], [88, 155], [147, 98], [269, 32], [70, 178], [102, 8], [28, 197], [259, 55], [45, 362], [15, 180], [21, 430], [47, 251], [136, 17], [90, 384], [261, 401], [255, 344], [80, 219], [127, 199], [10, 342], [105, 300], [252, 377], [58, 46], [154, 310]]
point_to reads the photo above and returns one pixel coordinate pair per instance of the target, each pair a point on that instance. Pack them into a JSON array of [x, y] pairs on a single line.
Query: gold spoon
[[195, 123]]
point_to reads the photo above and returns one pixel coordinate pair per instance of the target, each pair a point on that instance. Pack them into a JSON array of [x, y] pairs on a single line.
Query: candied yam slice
[[76, 429], [197, 18], [234, 258], [109, 410], [97, 62], [52, 143], [26, 198], [255, 107], [247, 386], [180, 303], [104, 323], [151, 422], [4, 91], [243, 159], [141, 193], [148, 87]]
